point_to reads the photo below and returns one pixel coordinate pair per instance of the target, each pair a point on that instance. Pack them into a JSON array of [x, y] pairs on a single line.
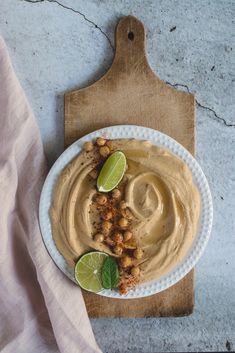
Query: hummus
[[159, 191]]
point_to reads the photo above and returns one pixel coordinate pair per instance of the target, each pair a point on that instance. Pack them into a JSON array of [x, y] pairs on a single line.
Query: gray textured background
[[59, 46]]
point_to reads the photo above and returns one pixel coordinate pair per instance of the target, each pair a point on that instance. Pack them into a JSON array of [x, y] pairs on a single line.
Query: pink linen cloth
[[40, 309]]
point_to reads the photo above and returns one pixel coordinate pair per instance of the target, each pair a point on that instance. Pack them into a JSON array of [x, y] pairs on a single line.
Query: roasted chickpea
[[135, 271], [88, 146], [93, 174], [109, 241], [123, 222], [99, 237], [127, 213], [109, 144], [101, 200], [126, 261], [106, 226], [138, 253], [122, 205], [100, 141], [104, 151], [118, 237], [116, 193], [107, 215], [123, 289], [118, 250], [127, 235]]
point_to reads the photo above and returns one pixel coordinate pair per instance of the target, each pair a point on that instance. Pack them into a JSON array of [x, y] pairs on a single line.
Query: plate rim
[[182, 269]]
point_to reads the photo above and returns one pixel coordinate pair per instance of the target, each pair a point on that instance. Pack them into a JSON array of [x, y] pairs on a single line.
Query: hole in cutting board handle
[[131, 36]]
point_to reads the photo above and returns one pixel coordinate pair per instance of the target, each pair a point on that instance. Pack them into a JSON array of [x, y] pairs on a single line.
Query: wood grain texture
[[130, 93]]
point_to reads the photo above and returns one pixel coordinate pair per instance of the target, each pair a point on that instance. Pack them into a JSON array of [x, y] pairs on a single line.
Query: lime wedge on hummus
[[112, 172], [88, 271]]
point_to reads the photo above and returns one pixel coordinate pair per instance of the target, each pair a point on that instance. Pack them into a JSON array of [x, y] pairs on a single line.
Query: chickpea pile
[[115, 224], [115, 232], [104, 148]]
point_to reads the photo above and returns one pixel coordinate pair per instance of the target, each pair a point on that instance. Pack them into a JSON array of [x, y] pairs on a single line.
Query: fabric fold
[[40, 309]]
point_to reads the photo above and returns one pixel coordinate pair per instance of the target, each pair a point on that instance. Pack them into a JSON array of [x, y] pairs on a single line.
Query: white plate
[[160, 139]]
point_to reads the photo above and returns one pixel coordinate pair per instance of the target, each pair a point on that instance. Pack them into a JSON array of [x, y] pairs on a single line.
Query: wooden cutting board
[[130, 93]]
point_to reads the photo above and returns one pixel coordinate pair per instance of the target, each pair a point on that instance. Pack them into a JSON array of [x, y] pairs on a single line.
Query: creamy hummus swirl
[[160, 192]]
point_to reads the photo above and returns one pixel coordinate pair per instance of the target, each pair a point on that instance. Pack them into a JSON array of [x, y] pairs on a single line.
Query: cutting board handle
[[130, 46]]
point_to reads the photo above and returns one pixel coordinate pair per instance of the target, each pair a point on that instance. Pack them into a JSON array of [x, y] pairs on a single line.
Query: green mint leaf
[[110, 273]]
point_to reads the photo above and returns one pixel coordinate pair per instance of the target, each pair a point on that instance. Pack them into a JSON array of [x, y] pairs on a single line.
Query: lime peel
[[112, 172], [88, 271]]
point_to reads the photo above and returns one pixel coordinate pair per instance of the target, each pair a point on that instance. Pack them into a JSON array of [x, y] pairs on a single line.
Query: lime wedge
[[88, 271], [112, 172]]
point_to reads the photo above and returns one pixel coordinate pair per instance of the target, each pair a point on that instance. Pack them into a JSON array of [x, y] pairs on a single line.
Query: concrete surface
[[58, 46]]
